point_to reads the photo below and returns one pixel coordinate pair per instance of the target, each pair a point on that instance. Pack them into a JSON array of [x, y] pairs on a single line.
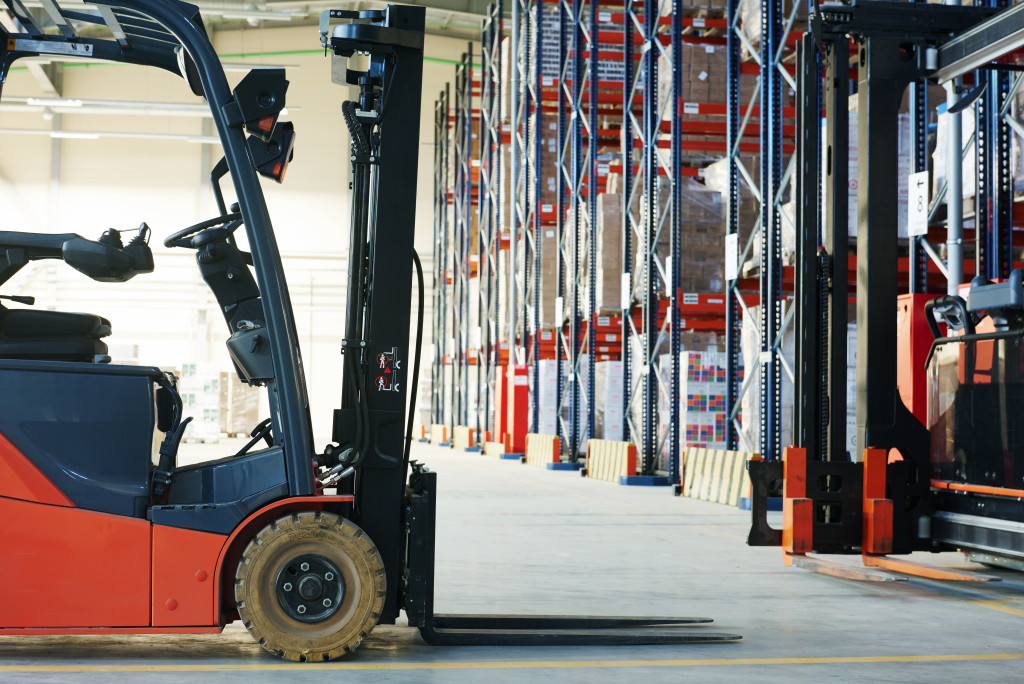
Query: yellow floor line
[[1000, 606], [515, 665]]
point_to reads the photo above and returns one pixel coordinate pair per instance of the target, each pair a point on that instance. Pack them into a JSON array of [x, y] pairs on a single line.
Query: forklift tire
[[310, 586]]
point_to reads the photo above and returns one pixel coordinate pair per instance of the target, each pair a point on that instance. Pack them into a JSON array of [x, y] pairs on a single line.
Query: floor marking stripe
[[514, 665], [1000, 606]]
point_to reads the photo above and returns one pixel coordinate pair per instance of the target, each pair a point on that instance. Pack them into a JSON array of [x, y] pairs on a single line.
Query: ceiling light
[[74, 135], [52, 102]]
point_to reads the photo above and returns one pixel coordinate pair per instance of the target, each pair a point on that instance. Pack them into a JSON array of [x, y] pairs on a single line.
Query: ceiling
[[455, 18]]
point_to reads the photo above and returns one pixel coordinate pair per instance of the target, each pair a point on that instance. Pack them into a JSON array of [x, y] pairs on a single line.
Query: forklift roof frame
[[154, 33]]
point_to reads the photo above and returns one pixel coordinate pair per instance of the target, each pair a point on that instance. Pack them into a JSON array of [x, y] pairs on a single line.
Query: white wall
[[169, 316]]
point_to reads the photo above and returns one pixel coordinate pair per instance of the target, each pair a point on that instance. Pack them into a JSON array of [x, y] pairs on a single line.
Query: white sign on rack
[[732, 256], [917, 204]]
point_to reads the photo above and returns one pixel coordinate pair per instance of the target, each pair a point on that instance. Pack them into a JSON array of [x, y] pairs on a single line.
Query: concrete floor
[[518, 539]]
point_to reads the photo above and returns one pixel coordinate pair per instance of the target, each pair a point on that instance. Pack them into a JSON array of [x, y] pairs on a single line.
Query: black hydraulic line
[[354, 392], [360, 142], [415, 365]]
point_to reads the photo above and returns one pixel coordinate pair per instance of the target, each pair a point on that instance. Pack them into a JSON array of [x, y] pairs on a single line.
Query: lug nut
[[287, 586], [304, 567], [301, 610], [327, 603], [329, 576]]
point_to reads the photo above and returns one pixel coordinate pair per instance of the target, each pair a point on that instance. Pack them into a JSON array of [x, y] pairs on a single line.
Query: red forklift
[[309, 548]]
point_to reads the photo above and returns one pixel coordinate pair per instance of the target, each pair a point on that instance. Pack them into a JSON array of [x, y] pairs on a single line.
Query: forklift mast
[[384, 124]]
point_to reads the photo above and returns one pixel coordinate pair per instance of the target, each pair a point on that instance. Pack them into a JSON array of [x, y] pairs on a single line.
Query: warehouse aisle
[[514, 538]]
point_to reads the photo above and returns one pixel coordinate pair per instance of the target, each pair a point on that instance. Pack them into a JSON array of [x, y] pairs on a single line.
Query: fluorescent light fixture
[[74, 135], [52, 102]]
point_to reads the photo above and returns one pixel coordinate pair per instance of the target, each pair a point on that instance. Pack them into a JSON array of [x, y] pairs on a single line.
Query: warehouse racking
[[595, 97], [554, 65]]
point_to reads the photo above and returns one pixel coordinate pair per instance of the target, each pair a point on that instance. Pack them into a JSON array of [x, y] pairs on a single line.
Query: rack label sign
[[917, 204], [732, 256]]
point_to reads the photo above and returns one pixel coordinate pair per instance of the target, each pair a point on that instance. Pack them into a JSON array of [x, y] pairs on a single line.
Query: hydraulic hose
[[360, 143], [415, 365]]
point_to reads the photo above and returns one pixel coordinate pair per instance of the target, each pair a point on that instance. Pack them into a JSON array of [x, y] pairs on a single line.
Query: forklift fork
[[516, 630]]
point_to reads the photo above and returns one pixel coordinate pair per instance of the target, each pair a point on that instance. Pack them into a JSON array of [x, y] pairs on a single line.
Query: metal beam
[[993, 38], [46, 75], [58, 19]]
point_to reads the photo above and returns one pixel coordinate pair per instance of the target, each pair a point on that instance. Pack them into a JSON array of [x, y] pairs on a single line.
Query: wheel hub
[[310, 588]]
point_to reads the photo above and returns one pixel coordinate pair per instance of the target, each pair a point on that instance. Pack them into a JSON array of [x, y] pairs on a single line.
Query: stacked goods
[[609, 252], [200, 390], [939, 156], [244, 412], [1018, 164], [705, 80], [702, 239], [750, 18], [702, 387], [547, 138], [608, 67], [750, 402], [702, 411], [701, 4], [640, 209], [607, 337], [547, 245], [716, 177], [224, 402], [608, 398], [546, 396]]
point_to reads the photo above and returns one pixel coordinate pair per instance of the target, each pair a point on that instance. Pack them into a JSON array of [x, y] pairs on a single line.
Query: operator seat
[[52, 335], [59, 335]]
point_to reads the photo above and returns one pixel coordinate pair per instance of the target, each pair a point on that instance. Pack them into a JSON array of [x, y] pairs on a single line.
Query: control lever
[[20, 299]]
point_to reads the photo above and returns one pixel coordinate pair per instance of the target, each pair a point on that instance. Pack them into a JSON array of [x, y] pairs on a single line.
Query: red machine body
[[130, 576]]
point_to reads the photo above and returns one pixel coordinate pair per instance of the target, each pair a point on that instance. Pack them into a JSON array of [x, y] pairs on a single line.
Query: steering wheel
[[261, 431], [181, 238]]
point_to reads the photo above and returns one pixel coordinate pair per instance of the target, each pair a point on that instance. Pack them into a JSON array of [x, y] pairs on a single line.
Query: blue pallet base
[[424, 440], [445, 444], [512, 457], [644, 480], [473, 449], [564, 466], [774, 503]]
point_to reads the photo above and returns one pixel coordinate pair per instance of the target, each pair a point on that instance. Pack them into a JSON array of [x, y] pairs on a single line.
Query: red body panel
[[66, 567], [184, 571], [913, 340], [30, 631], [71, 571], [518, 387], [500, 403], [21, 479]]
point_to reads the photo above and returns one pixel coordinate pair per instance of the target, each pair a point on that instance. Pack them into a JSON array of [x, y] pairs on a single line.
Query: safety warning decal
[[386, 368]]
